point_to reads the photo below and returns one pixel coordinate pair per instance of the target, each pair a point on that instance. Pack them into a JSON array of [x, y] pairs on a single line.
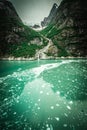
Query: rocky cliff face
[[48, 19], [14, 35], [68, 28], [10, 25]]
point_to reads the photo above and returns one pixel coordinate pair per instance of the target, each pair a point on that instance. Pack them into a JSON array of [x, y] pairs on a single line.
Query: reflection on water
[[48, 96]]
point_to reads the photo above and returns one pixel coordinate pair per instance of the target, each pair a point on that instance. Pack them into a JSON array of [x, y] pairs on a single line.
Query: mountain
[[65, 34], [16, 39], [52, 13], [36, 26], [68, 28]]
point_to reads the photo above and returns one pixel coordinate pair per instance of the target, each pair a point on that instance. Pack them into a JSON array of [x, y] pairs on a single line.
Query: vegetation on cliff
[[67, 30]]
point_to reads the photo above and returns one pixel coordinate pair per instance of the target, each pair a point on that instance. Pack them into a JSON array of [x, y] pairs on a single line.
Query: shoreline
[[33, 58]]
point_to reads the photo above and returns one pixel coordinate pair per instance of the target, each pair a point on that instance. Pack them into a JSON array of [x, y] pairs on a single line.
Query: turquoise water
[[43, 95]]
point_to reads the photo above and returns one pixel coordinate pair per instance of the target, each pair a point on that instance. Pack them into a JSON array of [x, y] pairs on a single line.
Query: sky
[[33, 11]]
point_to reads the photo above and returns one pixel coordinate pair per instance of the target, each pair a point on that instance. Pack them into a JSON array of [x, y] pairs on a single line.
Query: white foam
[[57, 118], [68, 107], [52, 107], [35, 71], [65, 125], [38, 70]]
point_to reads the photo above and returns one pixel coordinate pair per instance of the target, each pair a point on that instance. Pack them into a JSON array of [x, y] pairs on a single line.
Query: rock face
[[14, 35], [10, 25], [66, 28], [48, 19], [36, 26], [69, 27]]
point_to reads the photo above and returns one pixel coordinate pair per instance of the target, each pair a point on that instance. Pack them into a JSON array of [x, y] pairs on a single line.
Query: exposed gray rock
[[14, 35], [70, 22], [36, 26], [48, 19], [36, 41]]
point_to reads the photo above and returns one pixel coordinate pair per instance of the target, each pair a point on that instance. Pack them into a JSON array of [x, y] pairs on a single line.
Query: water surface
[[43, 95]]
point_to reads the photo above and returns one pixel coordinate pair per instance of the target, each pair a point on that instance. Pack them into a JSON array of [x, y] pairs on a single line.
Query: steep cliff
[[52, 13], [68, 29], [15, 37]]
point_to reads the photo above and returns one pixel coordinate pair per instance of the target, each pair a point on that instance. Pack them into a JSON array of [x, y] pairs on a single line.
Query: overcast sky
[[33, 11]]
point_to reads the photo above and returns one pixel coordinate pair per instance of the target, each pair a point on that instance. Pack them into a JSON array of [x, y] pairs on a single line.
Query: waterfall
[[38, 57]]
